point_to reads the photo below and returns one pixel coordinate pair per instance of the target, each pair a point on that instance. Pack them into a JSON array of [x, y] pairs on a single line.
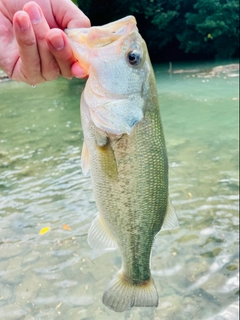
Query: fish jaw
[[87, 42], [80, 50]]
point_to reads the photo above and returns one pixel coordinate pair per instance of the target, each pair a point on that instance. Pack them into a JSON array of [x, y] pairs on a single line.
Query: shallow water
[[57, 275]]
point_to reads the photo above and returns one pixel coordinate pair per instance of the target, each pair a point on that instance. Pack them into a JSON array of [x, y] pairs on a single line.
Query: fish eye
[[134, 58]]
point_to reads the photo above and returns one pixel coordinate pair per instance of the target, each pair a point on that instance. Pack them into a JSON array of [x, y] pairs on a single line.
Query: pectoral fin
[[99, 237], [85, 163], [171, 220]]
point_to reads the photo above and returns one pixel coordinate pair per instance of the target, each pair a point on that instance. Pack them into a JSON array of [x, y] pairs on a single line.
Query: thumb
[[69, 15]]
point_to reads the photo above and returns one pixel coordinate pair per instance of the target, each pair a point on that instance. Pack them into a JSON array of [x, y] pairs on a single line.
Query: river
[[56, 275]]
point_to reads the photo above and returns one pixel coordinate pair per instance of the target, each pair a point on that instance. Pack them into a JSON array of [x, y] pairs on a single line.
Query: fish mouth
[[84, 40], [103, 35]]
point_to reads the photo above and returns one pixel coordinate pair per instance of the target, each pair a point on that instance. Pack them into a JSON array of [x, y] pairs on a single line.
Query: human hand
[[33, 47]]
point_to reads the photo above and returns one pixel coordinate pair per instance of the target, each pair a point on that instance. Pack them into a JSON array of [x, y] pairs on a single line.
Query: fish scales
[[124, 148], [139, 180]]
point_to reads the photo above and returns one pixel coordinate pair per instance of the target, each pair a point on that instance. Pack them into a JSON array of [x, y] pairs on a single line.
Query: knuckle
[[32, 77], [51, 76], [34, 80], [29, 42], [87, 22], [67, 74], [40, 37], [51, 72]]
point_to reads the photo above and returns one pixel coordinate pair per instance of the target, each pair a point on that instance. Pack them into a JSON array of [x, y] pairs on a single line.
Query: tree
[[213, 28], [160, 21], [204, 27]]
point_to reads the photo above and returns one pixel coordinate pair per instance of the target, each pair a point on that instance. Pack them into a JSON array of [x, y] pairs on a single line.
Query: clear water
[[57, 275]]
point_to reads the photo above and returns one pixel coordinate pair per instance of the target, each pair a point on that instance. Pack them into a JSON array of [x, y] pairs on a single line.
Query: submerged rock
[[230, 70]]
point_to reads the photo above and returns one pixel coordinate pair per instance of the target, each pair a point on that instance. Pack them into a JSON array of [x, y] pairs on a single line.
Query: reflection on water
[[57, 275]]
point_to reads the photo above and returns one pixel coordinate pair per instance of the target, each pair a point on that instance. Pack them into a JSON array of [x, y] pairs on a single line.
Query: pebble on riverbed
[[169, 307], [27, 290], [12, 274], [214, 283], [195, 270]]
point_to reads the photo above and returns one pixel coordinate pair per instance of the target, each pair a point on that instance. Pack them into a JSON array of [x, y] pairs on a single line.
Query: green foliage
[[84, 5], [162, 18], [206, 27], [213, 28]]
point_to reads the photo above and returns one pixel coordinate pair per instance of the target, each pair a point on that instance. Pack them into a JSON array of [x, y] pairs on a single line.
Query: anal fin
[[99, 237], [171, 220]]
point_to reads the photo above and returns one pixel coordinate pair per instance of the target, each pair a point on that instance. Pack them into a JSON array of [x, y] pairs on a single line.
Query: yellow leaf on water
[[44, 230], [66, 227]]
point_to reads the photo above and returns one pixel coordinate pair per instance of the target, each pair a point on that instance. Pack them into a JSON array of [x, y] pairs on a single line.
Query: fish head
[[116, 59]]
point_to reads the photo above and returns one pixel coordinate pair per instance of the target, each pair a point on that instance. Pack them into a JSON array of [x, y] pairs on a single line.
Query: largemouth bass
[[124, 149]]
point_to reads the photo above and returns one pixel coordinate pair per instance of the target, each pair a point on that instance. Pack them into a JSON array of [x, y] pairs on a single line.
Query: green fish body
[[124, 149]]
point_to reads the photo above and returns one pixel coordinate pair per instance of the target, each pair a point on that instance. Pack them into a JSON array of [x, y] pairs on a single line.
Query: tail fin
[[121, 295]]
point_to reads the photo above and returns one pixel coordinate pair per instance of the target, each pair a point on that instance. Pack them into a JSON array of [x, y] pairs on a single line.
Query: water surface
[[57, 275]]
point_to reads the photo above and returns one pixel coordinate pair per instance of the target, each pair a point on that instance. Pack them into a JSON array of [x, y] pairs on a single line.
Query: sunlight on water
[[57, 275]]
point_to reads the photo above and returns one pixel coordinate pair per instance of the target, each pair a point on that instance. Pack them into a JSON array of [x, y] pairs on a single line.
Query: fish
[[124, 150]]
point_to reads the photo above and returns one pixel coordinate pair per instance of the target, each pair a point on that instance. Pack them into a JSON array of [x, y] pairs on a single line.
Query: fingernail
[[57, 41], [23, 21], [34, 14]]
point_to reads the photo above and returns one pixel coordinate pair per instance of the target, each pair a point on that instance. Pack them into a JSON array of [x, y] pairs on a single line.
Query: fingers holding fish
[[44, 52], [62, 52], [54, 49], [35, 63], [70, 18]]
